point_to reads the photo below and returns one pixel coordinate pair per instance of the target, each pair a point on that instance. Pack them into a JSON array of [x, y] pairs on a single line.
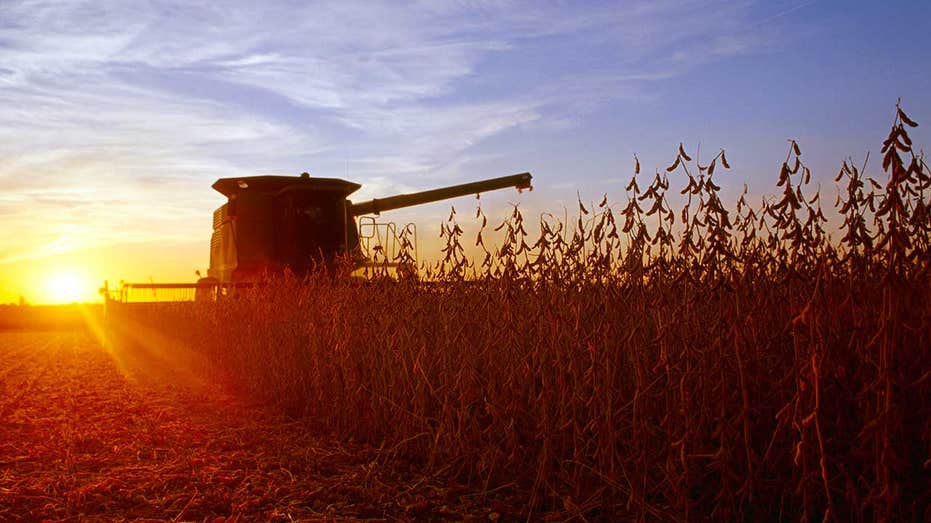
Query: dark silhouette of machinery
[[270, 223]]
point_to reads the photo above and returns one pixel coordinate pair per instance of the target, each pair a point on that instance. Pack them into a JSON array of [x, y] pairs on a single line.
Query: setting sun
[[67, 287]]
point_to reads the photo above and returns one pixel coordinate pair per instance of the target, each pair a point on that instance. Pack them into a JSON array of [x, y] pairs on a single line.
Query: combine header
[[273, 223]]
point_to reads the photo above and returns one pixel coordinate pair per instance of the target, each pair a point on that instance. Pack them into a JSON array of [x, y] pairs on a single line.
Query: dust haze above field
[[117, 117]]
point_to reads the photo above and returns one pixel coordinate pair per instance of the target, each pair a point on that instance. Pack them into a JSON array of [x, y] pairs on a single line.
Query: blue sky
[[117, 116]]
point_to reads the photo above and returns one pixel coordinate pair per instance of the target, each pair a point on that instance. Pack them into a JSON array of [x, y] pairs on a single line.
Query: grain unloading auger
[[273, 223]]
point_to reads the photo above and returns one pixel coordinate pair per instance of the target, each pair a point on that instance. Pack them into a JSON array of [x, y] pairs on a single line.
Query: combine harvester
[[270, 224]]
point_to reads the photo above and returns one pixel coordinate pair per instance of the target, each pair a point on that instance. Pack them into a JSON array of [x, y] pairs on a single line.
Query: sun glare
[[66, 287]]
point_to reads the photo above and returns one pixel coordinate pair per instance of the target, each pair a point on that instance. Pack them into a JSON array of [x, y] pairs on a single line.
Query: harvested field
[[88, 435]]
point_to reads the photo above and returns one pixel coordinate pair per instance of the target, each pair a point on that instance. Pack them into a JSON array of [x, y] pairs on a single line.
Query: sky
[[116, 117]]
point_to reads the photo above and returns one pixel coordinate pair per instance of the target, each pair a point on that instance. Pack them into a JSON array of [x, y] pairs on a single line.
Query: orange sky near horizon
[[77, 274], [117, 118]]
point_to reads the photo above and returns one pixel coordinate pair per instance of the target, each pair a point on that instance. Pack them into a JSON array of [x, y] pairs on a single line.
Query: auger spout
[[378, 205]]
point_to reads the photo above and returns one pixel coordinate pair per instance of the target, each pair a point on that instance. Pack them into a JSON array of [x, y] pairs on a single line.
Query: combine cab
[[273, 223], [270, 223]]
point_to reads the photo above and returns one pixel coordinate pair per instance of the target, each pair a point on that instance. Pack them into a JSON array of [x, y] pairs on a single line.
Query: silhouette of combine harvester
[[271, 224]]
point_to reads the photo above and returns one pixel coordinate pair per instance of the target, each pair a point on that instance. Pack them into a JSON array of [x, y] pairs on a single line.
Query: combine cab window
[[311, 225]]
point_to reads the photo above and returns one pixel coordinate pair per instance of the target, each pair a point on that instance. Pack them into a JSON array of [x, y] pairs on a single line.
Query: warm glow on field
[[67, 287]]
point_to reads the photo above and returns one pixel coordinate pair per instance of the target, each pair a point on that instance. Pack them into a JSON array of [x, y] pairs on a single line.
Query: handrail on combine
[[382, 243]]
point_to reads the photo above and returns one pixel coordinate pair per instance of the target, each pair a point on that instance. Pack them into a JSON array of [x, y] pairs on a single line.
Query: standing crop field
[[647, 363]]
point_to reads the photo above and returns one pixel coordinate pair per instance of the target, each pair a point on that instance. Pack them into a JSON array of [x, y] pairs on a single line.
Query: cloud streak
[[117, 116]]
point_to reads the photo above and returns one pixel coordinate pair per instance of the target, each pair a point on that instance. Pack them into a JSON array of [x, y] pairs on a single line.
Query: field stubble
[[92, 435]]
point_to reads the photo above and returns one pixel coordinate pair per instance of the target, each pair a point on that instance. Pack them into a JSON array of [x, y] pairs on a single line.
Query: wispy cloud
[[118, 115]]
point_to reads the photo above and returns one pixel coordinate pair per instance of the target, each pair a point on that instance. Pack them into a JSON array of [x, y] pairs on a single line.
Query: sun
[[66, 287]]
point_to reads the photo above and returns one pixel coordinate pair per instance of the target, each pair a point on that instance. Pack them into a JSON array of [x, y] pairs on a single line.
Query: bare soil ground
[[89, 434]]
